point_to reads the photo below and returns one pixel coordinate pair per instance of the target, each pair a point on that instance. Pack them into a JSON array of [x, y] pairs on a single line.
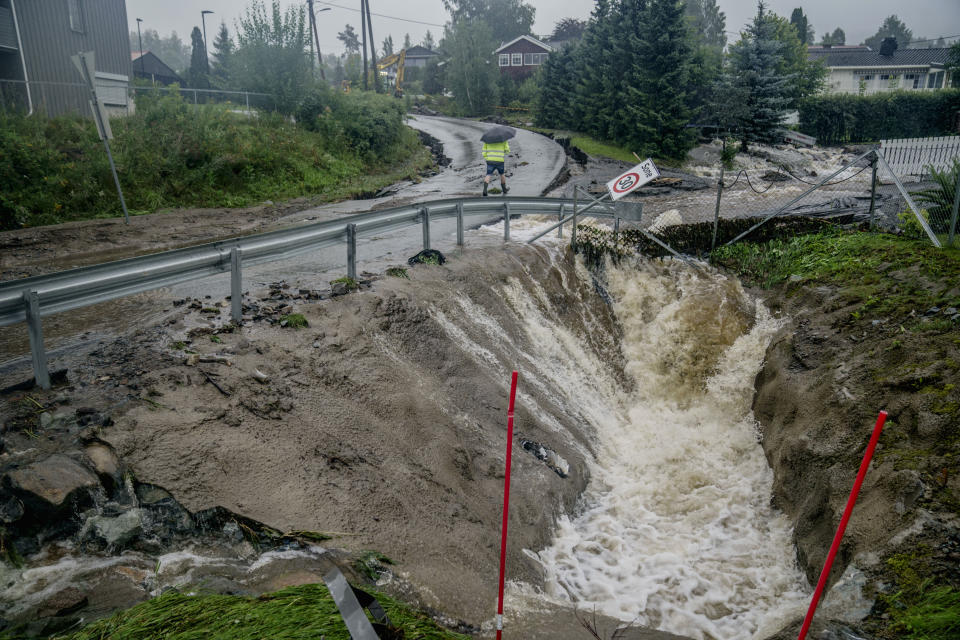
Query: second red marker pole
[[506, 504]]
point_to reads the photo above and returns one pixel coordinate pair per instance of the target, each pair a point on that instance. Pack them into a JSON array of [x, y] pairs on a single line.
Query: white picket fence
[[915, 156]]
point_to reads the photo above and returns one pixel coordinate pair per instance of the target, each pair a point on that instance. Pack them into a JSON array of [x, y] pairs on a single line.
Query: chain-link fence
[[60, 98]]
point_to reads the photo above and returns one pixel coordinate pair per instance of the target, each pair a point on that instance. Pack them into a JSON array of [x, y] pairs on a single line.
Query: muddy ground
[[368, 423]]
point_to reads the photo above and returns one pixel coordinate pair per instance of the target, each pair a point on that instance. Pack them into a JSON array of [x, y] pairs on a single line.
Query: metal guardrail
[[29, 299]]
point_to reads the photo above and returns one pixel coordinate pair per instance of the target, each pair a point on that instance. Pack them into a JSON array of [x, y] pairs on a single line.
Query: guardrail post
[[236, 288], [506, 222], [425, 219], [560, 219], [35, 327], [460, 224], [573, 232], [352, 251]]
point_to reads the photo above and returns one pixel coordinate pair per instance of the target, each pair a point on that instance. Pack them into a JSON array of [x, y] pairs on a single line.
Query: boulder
[[51, 481], [62, 603], [116, 531]]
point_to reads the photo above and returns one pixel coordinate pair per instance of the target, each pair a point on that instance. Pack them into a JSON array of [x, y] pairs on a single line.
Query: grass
[[348, 282], [398, 272], [295, 321], [174, 154], [301, 612], [599, 148], [884, 276], [919, 609]]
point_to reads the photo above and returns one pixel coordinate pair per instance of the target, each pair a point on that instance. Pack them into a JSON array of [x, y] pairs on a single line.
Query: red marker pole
[[506, 504], [852, 500]]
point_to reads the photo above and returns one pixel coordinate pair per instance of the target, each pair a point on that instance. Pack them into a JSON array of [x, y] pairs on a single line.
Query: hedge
[[838, 119]]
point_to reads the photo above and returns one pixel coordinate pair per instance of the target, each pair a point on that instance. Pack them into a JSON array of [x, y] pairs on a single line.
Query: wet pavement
[[533, 164]]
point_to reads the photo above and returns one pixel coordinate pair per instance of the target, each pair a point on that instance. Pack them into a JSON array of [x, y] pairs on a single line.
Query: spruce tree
[[657, 106], [755, 59], [223, 57], [592, 103], [198, 61]]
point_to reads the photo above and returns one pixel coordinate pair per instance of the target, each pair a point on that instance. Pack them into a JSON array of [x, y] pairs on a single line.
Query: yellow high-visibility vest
[[496, 151]]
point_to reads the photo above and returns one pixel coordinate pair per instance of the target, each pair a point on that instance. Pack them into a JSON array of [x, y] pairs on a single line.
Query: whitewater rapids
[[675, 530]]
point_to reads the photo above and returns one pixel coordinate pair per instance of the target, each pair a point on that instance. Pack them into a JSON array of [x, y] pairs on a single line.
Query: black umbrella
[[498, 133]]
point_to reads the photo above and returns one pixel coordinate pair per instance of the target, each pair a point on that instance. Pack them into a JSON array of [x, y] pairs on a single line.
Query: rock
[[260, 377], [775, 176], [62, 603], [669, 218], [11, 509], [87, 416], [116, 531], [105, 463], [52, 480], [58, 420], [151, 493]]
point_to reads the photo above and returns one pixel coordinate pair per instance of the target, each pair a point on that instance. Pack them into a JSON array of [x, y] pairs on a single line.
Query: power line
[[380, 15]]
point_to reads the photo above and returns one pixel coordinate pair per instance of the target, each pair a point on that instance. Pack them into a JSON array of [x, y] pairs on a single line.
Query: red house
[[522, 56]]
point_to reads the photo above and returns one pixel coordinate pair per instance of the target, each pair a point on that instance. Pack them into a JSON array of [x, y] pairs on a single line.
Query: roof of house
[[545, 46], [157, 65], [417, 51], [834, 57]]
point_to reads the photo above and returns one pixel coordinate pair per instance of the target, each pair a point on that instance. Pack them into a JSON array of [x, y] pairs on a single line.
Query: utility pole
[[316, 37], [373, 50], [206, 52], [363, 41], [140, 40]]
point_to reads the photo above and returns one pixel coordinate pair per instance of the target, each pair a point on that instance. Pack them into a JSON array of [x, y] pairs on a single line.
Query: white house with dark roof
[[854, 68]]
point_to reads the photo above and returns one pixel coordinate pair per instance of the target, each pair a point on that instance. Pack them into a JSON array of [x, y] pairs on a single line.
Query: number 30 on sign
[[632, 179]]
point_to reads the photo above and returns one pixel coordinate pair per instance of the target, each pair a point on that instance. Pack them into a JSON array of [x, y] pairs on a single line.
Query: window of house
[[528, 59], [504, 59], [935, 80], [867, 78], [884, 76], [76, 15], [539, 58], [517, 59]]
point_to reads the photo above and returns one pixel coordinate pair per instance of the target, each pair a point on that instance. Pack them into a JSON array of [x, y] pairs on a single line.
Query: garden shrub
[[845, 118]]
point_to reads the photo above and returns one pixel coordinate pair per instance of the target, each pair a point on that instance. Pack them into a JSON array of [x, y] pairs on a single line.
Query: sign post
[[85, 62]]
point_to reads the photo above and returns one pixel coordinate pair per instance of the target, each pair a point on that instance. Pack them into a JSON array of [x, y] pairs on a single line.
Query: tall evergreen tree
[[592, 105], [755, 59], [223, 57], [428, 41], [658, 108], [804, 29], [388, 46], [707, 23], [406, 41], [507, 19], [198, 61]]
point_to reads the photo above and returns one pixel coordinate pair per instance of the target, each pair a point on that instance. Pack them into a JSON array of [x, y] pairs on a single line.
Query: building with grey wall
[[37, 38]]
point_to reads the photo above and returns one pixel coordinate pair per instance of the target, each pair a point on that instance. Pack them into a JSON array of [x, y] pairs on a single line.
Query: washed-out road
[[534, 163]]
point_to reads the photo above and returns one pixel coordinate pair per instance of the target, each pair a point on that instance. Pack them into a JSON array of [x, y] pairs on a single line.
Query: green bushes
[[365, 122], [175, 154], [837, 119]]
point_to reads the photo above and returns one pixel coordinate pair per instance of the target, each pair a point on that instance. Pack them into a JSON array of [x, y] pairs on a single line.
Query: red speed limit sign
[[632, 179]]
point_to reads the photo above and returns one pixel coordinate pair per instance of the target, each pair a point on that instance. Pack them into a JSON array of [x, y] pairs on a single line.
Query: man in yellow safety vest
[[495, 153]]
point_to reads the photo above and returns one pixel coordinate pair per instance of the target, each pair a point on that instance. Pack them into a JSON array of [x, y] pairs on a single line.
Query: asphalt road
[[534, 163]]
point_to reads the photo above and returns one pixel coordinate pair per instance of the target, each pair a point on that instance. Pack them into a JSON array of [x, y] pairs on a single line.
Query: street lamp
[[206, 53], [316, 36], [140, 40]]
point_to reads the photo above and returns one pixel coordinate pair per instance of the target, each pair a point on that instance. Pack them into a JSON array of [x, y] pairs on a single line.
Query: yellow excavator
[[394, 59]]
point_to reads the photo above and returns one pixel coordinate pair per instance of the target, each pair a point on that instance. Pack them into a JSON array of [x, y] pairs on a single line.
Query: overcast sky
[[858, 18]]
